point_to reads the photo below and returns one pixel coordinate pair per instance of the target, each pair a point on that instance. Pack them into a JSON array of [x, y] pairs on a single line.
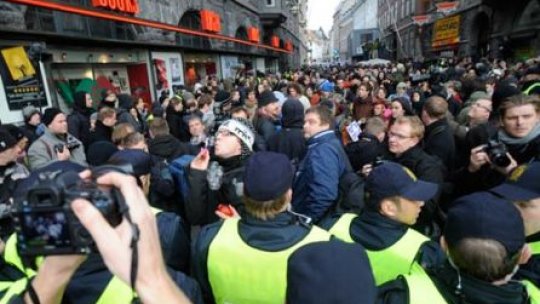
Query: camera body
[[45, 223], [496, 152], [70, 145]]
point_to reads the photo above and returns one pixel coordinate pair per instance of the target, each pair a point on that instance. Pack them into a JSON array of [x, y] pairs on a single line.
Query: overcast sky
[[320, 14]]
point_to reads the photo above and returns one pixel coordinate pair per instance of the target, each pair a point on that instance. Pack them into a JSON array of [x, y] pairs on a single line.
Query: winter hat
[[330, 272], [404, 104], [267, 176], [100, 152], [222, 96], [28, 112], [49, 115], [15, 131], [482, 215], [242, 129], [6, 139], [266, 98]]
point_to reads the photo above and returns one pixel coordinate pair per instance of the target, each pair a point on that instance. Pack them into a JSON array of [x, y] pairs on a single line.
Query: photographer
[[516, 142], [56, 143], [91, 282]]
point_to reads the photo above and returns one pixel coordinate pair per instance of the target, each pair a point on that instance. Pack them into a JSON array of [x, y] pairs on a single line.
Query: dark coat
[[290, 139], [202, 202], [362, 108], [264, 127], [79, 120], [177, 124], [169, 147], [439, 141], [316, 184], [427, 168], [101, 133]]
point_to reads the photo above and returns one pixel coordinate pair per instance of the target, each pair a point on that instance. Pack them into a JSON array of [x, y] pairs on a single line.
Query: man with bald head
[[439, 138]]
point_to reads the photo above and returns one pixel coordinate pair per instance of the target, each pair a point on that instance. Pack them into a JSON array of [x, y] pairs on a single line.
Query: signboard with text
[[446, 31], [21, 79]]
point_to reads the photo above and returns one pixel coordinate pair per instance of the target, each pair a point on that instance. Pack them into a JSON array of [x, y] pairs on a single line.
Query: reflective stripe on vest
[[15, 289], [233, 265], [422, 290], [388, 263], [11, 255], [532, 291], [535, 247], [116, 292], [341, 228]]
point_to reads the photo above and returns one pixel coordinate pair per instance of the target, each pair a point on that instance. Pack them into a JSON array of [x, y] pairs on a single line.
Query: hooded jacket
[[290, 139], [177, 125], [125, 104], [79, 120], [168, 147]]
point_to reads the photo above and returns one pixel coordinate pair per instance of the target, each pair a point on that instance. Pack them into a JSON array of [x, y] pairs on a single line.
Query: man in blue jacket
[[315, 187]]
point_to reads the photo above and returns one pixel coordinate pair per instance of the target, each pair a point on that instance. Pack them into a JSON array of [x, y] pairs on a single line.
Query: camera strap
[[135, 235], [32, 292]]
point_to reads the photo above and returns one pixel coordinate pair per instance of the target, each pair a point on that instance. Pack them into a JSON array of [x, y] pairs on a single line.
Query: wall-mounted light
[[64, 56], [90, 57]]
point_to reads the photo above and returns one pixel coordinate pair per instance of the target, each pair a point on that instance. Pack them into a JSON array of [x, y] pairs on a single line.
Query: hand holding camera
[[493, 153]]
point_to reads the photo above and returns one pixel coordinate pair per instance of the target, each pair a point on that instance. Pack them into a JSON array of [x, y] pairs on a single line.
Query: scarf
[[507, 139]]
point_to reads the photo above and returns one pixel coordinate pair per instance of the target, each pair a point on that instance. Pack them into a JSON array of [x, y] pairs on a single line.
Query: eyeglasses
[[398, 136]]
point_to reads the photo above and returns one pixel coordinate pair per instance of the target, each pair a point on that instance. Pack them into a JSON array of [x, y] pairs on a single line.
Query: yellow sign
[[446, 31], [18, 63]]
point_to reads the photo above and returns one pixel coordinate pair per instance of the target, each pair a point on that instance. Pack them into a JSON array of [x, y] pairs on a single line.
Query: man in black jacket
[[219, 181], [267, 114], [79, 120], [163, 145], [104, 126], [404, 146], [290, 139], [439, 139]]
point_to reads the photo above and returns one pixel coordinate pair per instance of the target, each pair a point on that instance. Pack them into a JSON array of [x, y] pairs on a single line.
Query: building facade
[[365, 35], [317, 42], [144, 48], [475, 28]]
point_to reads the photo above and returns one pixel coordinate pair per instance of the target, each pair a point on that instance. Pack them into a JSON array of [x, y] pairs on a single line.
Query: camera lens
[[501, 160]]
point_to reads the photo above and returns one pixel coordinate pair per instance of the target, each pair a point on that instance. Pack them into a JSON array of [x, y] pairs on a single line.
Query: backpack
[[178, 170]]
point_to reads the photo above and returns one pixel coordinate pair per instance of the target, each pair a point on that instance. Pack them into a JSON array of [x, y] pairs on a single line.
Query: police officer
[[484, 240], [235, 253], [396, 197], [523, 189]]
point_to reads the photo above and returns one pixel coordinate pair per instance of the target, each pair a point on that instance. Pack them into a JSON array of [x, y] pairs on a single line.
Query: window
[[270, 2]]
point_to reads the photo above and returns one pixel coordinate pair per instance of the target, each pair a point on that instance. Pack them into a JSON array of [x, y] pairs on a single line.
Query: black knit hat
[[6, 140], [266, 98], [49, 115]]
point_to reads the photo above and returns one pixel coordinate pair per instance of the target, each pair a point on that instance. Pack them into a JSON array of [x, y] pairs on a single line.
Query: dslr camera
[[70, 145], [45, 223], [496, 152]]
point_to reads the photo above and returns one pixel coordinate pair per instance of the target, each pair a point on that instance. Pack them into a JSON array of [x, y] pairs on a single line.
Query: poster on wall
[[229, 65], [161, 74], [176, 72], [22, 82]]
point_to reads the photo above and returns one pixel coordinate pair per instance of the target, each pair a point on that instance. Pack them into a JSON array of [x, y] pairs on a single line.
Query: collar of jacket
[[320, 137], [412, 152], [375, 231], [61, 137], [282, 219], [435, 124], [473, 290]]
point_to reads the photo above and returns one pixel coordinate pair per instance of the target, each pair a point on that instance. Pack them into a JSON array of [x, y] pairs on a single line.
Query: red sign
[[210, 21], [421, 19], [274, 41], [447, 6], [124, 6], [289, 46], [253, 34]]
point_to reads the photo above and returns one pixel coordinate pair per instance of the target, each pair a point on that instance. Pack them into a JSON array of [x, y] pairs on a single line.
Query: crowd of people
[[398, 183]]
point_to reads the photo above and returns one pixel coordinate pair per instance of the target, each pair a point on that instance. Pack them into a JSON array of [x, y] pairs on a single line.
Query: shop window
[[39, 19], [192, 20]]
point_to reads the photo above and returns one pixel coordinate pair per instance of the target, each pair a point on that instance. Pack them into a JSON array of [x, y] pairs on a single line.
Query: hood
[[163, 146], [79, 103], [292, 114], [125, 101]]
